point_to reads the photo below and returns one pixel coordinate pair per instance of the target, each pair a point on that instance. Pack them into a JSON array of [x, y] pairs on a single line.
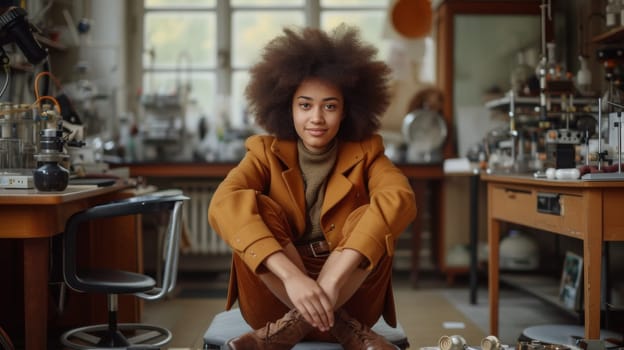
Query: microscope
[[15, 28]]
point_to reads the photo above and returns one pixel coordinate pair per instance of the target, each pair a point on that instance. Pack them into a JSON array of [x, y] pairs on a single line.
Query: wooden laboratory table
[[33, 218], [586, 210], [422, 177]]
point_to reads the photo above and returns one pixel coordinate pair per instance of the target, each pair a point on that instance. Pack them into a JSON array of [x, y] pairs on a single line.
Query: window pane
[[261, 3], [179, 3], [371, 24], [239, 115], [251, 30], [201, 97], [351, 3], [173, 34]]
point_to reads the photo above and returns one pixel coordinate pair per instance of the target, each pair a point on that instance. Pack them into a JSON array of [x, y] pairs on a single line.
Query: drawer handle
[[511, 194]]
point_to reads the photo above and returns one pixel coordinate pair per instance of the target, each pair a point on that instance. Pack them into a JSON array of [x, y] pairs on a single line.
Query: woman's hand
[[310, 300], [303, 292]]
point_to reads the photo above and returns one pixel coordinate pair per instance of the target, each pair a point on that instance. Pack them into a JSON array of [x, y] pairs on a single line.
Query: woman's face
[[318, 108]]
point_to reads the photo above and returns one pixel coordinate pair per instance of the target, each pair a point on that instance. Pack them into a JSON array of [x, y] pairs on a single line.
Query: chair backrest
[[170, 201], [171, 252]]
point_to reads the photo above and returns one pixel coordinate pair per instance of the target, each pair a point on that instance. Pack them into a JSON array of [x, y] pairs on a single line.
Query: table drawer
[[513, 205], [520, 206]]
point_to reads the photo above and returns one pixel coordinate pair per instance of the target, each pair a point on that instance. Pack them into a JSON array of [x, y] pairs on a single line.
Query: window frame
[[224, 71]]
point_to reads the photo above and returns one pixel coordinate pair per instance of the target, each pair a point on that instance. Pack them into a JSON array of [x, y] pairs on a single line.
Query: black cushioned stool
[[114, 335], [230, 324]]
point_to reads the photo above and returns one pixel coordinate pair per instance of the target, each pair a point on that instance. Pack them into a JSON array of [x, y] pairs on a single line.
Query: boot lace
[[362, 332], [274, 329]]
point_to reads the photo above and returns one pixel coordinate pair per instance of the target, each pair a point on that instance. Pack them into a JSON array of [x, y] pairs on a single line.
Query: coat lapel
[[286, 151], [338, 185]]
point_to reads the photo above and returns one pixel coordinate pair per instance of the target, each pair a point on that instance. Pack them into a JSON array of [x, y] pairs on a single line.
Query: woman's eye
[[304, 105], [330, 107]]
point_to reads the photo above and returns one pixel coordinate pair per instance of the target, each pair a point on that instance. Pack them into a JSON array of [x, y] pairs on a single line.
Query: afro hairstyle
[[339, 57]]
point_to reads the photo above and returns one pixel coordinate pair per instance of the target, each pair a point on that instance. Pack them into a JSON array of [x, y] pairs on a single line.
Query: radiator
[[202, 238]]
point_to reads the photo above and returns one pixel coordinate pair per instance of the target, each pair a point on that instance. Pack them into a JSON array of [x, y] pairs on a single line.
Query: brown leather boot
[[284, 334], [353, 335]]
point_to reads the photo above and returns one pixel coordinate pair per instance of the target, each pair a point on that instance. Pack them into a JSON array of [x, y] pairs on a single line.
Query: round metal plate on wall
[[424, 132]]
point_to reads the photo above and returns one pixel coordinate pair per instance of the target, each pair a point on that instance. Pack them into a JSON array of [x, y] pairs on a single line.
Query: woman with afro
[[313, 210]]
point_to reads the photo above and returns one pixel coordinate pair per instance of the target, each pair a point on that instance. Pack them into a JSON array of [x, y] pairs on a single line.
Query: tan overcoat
[[362, 175]]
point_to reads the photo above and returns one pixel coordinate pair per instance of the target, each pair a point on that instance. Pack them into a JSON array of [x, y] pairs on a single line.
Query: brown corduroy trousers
[[259, 306]]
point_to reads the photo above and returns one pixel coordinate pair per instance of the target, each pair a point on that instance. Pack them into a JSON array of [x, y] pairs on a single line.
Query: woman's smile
[[318, 108]]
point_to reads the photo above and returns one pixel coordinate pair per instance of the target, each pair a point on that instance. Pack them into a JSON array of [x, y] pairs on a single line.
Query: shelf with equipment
[[504, 103], [612, 36], [542, 287]]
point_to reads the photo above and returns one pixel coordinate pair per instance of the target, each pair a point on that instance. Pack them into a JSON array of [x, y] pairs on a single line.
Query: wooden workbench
[[588, 210], [30, 219]]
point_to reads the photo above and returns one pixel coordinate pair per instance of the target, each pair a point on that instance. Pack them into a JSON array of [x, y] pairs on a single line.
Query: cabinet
[[476, 42], [587, 213]]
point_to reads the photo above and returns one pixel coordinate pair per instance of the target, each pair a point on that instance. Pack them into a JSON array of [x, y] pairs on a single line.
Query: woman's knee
[[351, 222], [275, 218]]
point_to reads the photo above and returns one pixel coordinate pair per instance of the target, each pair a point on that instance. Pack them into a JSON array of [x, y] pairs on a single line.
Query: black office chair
[[114, 282]]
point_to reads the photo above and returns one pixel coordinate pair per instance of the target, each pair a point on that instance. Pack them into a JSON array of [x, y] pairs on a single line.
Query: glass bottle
[[520, 75], [584, 77], [552, 68]]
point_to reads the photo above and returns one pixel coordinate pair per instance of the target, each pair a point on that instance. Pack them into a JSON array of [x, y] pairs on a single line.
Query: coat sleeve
[[391, 209], [233, 212]]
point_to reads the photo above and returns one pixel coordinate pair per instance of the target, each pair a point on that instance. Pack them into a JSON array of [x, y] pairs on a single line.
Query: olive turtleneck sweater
[[315, 167]]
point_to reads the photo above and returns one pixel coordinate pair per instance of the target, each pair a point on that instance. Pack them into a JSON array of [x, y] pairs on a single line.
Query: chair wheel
[[132, 335]]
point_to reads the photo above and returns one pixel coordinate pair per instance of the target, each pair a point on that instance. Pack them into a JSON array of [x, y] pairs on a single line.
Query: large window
[[208, 45]]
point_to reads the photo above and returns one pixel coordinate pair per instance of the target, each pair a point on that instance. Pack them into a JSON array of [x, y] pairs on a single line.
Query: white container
[[518, 251]]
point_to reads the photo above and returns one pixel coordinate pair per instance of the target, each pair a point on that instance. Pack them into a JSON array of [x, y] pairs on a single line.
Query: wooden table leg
[[419, 188], [592, 264], [493, 272], [474, 237], [36, 254]]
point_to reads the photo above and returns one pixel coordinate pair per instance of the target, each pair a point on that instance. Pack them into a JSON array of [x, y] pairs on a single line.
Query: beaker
[[10, 154]]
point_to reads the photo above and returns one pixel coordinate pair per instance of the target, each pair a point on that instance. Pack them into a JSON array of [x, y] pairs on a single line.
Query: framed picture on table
[[571, 277]]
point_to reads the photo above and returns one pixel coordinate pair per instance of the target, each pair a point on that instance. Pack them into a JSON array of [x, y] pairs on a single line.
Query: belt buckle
[[313, 246]]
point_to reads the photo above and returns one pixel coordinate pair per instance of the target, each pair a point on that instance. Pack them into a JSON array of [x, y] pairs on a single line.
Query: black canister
[[50, 175]]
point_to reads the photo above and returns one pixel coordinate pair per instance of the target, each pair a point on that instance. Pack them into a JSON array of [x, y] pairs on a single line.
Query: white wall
[[105, 49]]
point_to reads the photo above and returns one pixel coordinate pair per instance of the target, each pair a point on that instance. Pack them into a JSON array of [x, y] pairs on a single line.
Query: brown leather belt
[[316, 249]]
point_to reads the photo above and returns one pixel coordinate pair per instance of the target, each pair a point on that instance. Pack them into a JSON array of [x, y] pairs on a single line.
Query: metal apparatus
[[615, 131], [164, 125], [51, 175]]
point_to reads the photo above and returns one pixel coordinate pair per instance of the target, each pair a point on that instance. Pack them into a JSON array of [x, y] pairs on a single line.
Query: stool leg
[[114, 336]]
